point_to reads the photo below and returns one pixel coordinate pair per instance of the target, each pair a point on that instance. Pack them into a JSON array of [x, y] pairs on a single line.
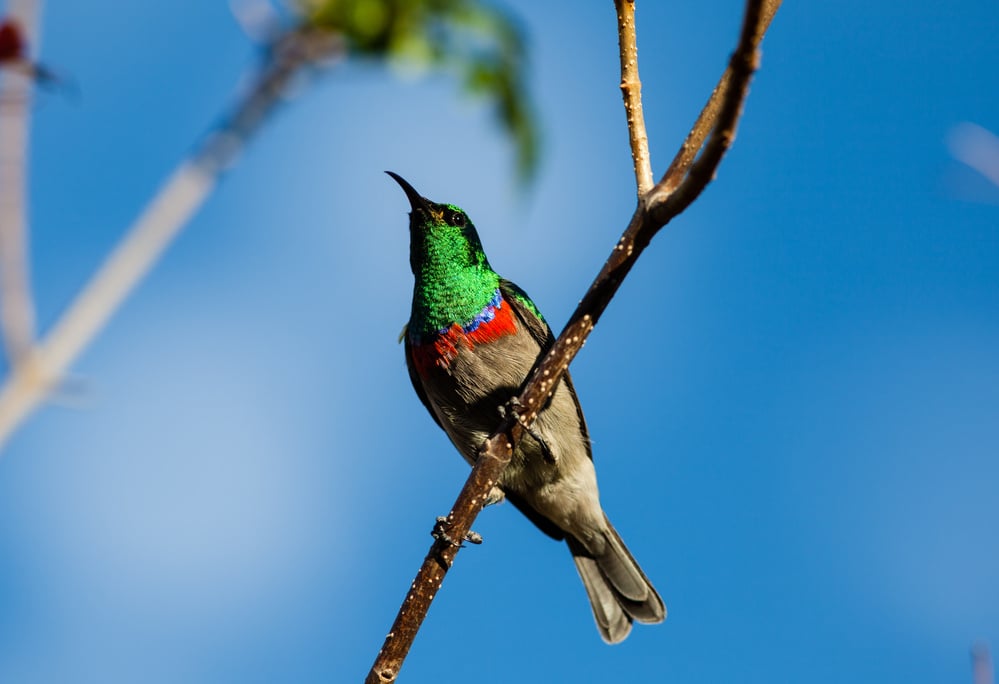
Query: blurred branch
[[977, 148], [631, 91], [655, 209], [17, 311], [981, 664], [168, 212], [481, 43]]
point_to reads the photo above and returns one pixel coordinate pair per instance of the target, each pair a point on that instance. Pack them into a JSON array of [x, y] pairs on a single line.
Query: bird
[[471, 340]]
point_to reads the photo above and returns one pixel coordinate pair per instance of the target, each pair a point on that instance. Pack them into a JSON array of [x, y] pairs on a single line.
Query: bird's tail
[[619, 591]]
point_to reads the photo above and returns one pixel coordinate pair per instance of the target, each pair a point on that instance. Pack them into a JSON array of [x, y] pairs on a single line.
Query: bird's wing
[[527, 313]]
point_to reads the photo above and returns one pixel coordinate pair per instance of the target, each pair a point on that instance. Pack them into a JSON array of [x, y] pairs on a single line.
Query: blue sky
[[794, 400]]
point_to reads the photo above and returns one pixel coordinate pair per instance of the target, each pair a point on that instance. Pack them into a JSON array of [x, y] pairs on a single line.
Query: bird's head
[[440, 233]]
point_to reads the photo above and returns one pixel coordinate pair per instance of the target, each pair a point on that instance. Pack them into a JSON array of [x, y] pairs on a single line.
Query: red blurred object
[[13, 57], [11, 41]]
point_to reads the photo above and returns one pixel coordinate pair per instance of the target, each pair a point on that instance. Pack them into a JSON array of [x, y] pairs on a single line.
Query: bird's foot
[[511, 409], [441, 535]]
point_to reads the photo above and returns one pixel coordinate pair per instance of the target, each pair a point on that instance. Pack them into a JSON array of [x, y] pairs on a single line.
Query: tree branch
[[631, 91], [655, 209], [17, 309], [162, 220], [706, 120]]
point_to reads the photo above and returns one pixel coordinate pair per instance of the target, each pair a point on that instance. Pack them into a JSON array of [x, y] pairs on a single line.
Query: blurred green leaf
[[482, 45]]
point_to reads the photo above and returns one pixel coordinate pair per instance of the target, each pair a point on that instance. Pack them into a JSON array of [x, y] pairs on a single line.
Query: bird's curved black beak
[[417, 201]]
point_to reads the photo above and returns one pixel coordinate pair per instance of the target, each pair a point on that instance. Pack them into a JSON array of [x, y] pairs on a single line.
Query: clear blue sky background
[[794, 400]]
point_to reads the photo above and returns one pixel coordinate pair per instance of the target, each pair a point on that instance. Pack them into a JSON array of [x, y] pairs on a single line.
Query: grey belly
[[469, 405]]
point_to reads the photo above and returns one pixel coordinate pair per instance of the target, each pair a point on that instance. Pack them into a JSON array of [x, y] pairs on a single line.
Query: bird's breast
[[440, 349]]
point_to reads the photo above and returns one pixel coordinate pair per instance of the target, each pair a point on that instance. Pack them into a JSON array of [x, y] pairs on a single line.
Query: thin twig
[[17, 309], [631, 91], [706, 120], [162, 220], [665, 203], [653, 212]]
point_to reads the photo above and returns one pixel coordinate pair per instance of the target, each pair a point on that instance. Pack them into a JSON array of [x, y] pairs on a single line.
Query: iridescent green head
[[454, 281]]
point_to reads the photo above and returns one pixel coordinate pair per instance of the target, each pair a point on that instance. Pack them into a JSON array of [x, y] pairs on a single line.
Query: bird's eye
[[455, 218]]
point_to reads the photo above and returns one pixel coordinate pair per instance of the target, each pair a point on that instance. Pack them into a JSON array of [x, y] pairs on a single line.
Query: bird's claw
[[441, 535], [510, 408]]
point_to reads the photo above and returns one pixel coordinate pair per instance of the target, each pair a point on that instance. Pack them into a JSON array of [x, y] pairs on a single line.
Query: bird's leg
[[440, 535], [511, 408]]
